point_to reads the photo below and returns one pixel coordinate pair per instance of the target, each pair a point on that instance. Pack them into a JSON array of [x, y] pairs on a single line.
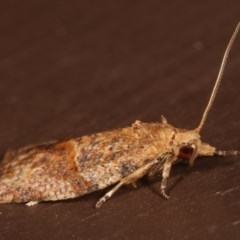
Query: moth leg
[[31, 203], [154, 170], [165, 174], [158, 167], [131, 178], [134, 184]]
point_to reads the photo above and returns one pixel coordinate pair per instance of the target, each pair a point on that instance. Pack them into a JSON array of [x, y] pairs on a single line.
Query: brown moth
[[75, 167]]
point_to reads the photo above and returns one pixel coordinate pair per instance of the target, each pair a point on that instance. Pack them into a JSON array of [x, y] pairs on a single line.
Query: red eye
[[186, 152]]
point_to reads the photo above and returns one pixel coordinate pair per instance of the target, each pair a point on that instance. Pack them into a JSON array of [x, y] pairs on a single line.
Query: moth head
[[186, 145]]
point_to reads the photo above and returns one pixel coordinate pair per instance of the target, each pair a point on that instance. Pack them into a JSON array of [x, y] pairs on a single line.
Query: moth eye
[[186, 152]]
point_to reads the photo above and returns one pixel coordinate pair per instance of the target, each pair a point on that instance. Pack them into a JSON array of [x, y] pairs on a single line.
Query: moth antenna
[[218, 80]]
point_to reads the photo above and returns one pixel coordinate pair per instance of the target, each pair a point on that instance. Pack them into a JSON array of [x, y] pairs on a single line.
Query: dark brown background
[[70, 68]]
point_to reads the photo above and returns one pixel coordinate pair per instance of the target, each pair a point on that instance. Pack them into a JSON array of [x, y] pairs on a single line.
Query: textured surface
[[69, 68]]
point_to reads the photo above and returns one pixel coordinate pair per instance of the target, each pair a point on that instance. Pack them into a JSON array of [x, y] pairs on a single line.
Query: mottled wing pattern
[[74, 167]]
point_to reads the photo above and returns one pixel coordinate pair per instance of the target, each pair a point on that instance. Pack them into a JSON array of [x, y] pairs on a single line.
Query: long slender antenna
[[218, 80]]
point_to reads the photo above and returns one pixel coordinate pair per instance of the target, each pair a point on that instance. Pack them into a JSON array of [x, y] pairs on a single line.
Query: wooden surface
[[70, 68]]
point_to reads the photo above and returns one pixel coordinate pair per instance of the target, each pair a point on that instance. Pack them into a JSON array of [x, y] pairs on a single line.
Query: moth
[[75, 167]]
